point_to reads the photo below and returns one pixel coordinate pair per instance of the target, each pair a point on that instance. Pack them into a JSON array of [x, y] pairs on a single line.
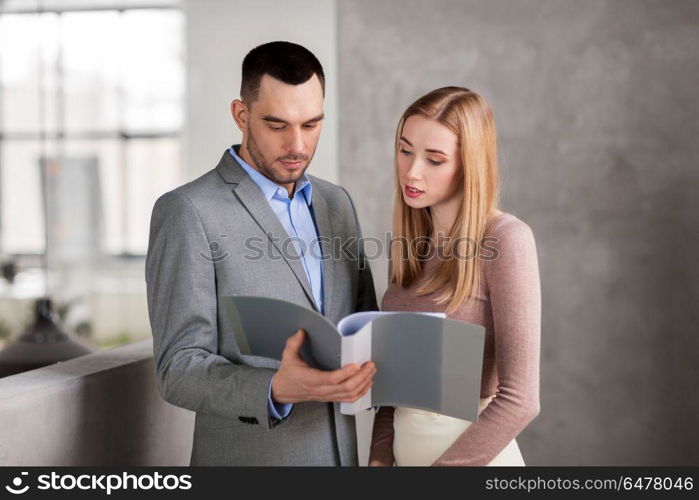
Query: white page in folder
[[356, 348], [349, 325]]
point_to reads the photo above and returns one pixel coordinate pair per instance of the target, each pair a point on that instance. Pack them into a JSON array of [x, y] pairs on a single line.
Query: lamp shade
[[42, 343]]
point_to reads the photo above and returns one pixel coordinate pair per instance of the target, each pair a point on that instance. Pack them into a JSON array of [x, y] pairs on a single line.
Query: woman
[[460, 255]]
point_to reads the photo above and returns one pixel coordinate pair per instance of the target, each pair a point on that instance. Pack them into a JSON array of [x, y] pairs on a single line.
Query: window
[[97, 90]]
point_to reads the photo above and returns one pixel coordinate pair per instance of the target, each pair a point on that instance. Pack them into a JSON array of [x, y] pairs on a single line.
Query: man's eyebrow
[[275, 119], [316, 118]]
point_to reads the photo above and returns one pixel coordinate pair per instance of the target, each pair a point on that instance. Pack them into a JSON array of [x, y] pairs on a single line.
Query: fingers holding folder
[[296, 381]]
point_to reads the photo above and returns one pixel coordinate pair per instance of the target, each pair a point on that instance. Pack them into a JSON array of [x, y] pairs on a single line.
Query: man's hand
[[295, 381]]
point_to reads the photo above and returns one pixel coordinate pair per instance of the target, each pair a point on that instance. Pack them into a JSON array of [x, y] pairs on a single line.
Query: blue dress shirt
[[296, 218]]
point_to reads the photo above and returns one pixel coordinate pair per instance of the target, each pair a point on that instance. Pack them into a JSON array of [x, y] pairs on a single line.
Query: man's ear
[[240, 114]]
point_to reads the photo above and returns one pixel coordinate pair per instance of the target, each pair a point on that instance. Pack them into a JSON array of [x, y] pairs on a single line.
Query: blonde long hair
[[470, 117]]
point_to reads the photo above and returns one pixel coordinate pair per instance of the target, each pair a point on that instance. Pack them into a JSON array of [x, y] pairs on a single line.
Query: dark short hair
[[285, 61]]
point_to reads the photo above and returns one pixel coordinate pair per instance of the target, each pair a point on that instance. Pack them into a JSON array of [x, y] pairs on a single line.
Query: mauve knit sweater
[[509, 307]]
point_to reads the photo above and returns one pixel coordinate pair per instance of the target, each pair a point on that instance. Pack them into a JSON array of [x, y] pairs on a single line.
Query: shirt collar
[[271, 189]]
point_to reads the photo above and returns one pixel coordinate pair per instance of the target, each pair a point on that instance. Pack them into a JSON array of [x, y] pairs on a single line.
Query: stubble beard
[[267, 170]]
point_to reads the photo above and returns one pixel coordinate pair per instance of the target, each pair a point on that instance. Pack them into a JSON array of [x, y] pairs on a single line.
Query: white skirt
[[420, 437]]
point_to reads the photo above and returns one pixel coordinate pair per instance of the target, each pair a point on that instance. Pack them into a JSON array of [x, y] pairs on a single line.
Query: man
[[205, 241]]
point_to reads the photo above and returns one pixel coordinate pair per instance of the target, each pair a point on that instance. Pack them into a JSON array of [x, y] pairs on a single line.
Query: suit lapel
[[325, 233], [250, 196]]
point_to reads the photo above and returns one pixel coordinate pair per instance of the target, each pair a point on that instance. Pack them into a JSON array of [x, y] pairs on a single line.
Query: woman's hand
[[379, 463]]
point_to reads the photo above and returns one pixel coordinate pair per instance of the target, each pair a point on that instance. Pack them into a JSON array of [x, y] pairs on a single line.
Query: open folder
[[423, 360]]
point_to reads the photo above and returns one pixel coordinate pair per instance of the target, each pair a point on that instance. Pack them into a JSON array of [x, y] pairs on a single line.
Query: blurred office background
[[105, 105]]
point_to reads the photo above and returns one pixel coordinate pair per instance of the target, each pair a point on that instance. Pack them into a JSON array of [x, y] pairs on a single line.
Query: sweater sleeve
[[512, 278], [382, 436]]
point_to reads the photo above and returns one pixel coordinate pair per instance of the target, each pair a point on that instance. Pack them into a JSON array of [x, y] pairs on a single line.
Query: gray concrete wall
[[99, 409], [598, 122], [218, 35]]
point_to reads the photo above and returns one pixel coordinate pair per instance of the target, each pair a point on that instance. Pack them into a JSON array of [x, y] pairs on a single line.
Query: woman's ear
[[240, 114]]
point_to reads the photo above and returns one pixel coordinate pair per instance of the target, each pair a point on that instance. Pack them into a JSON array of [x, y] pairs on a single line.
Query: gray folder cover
[[261, 326], [422, 361], [429, 363]]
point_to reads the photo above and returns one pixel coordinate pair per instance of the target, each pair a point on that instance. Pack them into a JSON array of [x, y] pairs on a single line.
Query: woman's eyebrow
[[427, 150], [436, 151]]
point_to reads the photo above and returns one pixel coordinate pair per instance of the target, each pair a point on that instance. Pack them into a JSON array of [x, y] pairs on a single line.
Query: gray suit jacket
[[216, 236]]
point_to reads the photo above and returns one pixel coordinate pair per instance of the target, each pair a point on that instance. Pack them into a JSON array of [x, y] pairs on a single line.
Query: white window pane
[[118, 70], [28, 52], [91, 59], [153, 70], [22, 206], [153, 168], [24, 5], [109, 163]]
